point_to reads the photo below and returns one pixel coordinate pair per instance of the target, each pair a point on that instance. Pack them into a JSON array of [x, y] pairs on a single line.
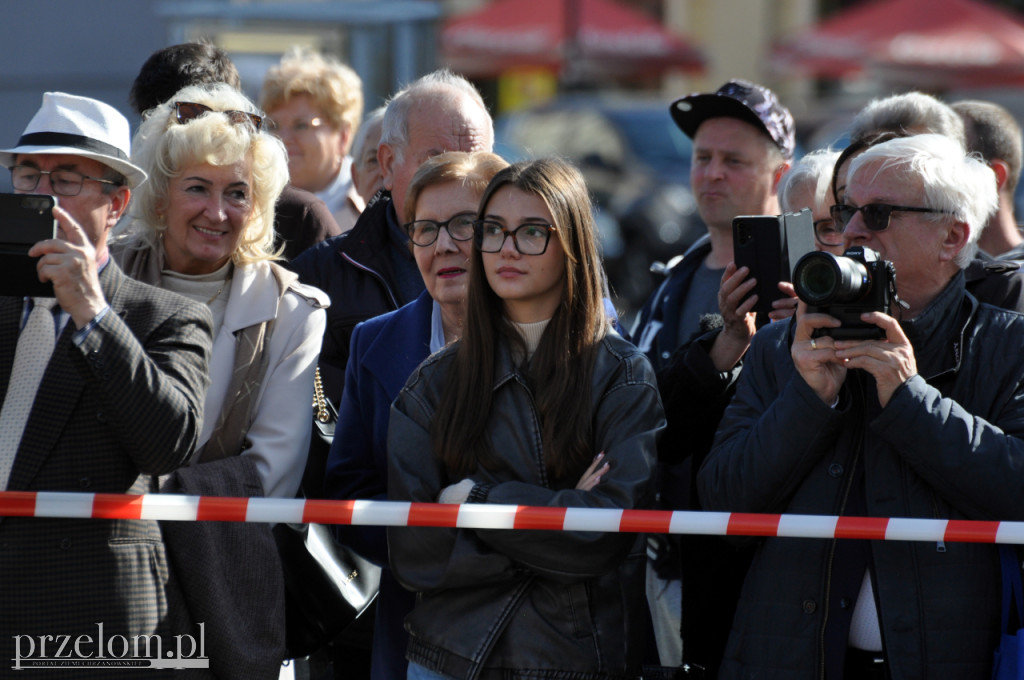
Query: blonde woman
[[316, 103], [203, 228]]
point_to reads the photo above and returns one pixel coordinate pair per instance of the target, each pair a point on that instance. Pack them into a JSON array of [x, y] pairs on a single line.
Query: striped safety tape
[[484, 516]]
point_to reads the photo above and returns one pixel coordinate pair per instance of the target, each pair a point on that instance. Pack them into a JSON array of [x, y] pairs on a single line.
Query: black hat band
[[74, 141]]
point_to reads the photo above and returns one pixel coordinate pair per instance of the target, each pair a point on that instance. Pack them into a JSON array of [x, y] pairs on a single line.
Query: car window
[[654, 137]]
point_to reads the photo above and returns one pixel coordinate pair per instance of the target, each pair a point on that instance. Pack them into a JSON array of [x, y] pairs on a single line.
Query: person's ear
[[386, 159], [119, 199], [345, 139], [957, 235], [779, 172], [1002, 171]]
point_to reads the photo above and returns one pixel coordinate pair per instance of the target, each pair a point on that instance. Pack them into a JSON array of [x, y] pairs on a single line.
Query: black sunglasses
[[876, 215], [188, 111]]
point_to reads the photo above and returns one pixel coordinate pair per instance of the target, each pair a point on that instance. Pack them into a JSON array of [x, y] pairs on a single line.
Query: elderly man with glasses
[[102, 390], [924, 419]]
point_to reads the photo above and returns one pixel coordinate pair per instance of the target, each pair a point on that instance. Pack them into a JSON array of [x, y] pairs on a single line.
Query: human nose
[[714, 168], [508, 247], [215, 210], [855, 230], [46, 188], [445, 243]]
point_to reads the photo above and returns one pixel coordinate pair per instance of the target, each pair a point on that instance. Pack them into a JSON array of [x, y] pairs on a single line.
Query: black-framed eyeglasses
[[827, 233], [425, 232], [529, 239], [185, 112], [876, 215], [62, 182]]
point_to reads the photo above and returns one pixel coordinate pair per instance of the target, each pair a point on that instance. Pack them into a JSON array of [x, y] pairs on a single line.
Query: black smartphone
[[769, 246], [25, 219]]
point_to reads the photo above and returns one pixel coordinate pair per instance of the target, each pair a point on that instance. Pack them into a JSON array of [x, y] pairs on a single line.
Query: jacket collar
[[261, 291], [937, 333]]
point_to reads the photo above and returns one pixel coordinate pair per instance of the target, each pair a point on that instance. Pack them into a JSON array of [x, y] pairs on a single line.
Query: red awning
[[610, 39], [935, 42]]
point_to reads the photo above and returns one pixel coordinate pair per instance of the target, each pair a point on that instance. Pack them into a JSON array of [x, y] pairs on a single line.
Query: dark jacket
[[997, 282], [301, 220], [357, 271], [946, 446], [385, 351], [528, 604], [124, 405], [657, 326]]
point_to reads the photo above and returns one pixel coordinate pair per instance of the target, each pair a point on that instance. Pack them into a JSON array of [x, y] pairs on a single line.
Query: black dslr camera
[[845, 287]]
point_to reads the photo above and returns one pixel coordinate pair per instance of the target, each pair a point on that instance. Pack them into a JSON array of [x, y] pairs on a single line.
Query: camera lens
[[744, 234], [822, 278]]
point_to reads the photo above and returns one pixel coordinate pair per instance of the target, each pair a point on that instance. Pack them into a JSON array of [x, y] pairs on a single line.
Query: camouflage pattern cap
[[741, 99]]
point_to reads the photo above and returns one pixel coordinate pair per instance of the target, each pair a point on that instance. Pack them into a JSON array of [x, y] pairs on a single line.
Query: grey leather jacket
[[538, 604]]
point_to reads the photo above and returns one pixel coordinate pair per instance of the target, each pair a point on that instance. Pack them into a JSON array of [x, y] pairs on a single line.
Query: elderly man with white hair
[[923, 420], [370, 270]]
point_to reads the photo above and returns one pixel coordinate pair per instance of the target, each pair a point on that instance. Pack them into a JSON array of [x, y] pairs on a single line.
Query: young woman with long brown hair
[[514, 413]]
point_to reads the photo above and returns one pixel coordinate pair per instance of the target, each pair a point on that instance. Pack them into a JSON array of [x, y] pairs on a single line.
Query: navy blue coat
[[385, 350]]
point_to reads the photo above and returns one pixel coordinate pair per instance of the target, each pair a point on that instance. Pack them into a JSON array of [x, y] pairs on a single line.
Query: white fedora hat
[[78, 126]]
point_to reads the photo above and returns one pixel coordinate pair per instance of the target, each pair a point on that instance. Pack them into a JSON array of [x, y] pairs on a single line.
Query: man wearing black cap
[[743, 143], [101, 391]]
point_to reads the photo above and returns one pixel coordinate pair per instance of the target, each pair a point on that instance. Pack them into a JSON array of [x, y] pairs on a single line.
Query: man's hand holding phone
[[69, 263]]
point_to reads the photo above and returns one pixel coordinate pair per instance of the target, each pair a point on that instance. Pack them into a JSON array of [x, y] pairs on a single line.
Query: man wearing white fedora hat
[[100, 393]]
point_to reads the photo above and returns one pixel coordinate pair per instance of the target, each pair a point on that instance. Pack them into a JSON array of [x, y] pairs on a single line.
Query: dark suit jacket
[[110, 413]]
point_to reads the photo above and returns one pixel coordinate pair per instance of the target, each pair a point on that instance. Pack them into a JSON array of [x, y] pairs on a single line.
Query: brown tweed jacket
[[109, 414]]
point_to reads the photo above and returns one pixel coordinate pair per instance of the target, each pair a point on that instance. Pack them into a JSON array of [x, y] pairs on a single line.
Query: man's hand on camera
[[891, 361], [737, 315], [70, 265], [815, 358]]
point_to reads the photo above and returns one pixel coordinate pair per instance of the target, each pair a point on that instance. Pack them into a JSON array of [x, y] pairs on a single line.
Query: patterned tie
[[35, 345]]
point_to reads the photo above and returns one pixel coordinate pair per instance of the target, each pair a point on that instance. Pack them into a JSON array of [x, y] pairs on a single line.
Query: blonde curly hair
[[334, 87], [163, 147]]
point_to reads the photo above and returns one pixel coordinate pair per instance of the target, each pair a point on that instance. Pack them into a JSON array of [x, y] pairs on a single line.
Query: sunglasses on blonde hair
[[185, 112]]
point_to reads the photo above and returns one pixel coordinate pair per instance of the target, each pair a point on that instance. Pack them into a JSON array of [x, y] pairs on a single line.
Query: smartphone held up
[[25, 219]]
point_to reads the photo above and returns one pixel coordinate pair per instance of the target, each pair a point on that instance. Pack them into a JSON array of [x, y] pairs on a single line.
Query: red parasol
[[924, 42], [584, 37]]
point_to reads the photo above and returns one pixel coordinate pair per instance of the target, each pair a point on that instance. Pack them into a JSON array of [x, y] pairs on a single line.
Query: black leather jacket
[[948, 445], [528, 604]]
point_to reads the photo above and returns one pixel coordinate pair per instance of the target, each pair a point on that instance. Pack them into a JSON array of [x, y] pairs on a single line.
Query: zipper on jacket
[[374, 273]]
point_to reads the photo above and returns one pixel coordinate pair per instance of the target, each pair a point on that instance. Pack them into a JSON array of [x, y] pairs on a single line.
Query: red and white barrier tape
[[484, 516]]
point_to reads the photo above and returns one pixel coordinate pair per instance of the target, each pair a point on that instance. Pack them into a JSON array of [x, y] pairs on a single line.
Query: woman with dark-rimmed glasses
[[440, 208], [516, 413], [203, 228]]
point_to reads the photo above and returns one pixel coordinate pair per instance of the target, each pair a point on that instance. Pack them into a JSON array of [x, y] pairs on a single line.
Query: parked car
[[637, 166]]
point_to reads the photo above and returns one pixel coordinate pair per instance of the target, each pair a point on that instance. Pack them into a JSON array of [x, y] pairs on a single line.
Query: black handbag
[[327, 585]]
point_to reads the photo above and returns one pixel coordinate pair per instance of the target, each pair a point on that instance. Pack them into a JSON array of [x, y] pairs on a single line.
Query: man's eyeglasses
[[62, 182], [529, 239], [425, 232], [876, 215], [185, 112], [827, 233]]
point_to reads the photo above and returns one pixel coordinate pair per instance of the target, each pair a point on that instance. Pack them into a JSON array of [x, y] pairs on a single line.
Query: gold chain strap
[[319, 402]]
